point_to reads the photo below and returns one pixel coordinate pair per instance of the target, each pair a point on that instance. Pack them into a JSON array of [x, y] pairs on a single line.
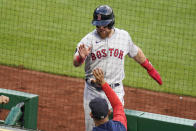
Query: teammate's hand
[[83, 51], [99, 76], [4, 99]]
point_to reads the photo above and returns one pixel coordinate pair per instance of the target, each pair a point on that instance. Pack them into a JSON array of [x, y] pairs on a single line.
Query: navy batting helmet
[[103, 16]]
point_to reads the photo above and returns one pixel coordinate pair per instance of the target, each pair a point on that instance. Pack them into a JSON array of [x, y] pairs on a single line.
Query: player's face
[[103, 31]]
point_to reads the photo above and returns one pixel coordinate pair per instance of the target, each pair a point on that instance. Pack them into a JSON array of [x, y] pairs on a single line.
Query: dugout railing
[[30, 106], [144, 121]]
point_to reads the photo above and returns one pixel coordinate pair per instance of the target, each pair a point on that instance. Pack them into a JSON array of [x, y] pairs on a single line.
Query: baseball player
[[4, 99], [106, 48], [100, 111]]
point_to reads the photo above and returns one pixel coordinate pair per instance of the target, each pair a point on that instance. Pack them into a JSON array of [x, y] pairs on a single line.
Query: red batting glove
[[151, 71]]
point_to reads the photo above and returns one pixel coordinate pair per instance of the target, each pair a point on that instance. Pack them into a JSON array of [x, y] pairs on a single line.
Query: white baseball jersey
[[108, 54]]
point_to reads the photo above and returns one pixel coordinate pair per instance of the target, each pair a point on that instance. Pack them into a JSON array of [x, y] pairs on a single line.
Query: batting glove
[[151, 71]]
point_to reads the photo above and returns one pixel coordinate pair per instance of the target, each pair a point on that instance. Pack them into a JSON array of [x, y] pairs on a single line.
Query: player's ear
[[109, 112], [91, 114]]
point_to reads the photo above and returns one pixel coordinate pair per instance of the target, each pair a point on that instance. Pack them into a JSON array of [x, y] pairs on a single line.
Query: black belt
[[114, 85], [111, 85]]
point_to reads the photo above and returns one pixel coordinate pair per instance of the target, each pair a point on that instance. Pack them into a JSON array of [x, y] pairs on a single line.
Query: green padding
[[156, 122], [153, 125], [31, 105], [143, 121], [132, 117]]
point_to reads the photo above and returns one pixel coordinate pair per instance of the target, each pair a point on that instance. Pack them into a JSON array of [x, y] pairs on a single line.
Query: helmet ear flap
[[111, 24]]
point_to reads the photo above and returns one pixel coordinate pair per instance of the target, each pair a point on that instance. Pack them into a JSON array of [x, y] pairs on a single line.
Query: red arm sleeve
[[118, 110], [151, 71]]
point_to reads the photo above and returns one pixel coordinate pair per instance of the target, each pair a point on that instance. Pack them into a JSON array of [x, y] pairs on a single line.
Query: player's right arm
[[118, 110], [80, 55]]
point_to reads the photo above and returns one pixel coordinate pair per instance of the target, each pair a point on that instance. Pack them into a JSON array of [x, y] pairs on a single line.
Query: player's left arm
[[144, 62]]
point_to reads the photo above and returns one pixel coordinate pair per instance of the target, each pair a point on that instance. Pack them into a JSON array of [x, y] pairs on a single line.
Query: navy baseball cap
[[99, 108]]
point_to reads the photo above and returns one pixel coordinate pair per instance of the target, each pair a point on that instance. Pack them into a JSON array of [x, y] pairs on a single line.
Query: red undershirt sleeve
[[118, 110]]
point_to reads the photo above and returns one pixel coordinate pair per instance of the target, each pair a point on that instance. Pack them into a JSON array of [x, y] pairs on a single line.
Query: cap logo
[[98, 17]]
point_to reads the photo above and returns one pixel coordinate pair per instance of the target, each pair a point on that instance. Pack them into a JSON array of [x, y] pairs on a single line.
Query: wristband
[[151, 71], [79, 59], [147, 65]]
